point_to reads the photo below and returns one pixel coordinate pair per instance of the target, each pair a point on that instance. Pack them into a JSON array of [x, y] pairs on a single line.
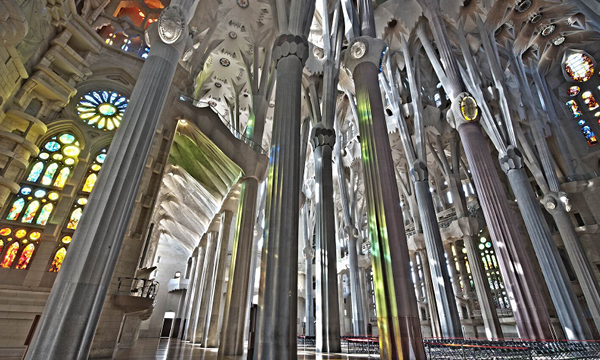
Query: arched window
[[81, 200], [102, 109], [492, 271], [36, 200]]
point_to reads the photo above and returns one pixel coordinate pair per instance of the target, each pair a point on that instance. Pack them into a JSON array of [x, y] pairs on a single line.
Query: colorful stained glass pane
[[69, 161], [52, 146], [71, 150], [57, 157], [573, 90], [30, 212], [82, 201], [96, 167], [102, 109], [589, 100], [66, 138], [5, 231], [16, 209], [74, 220], [26, 191], [44, 214], [35, 235], [574, 108], [53, 196], [62, 177], [10, 256], [66, 239], [35, 172], [100, 158], [25, 257], [44, 155], [59, 257], [20, 233], [579, 67], [1, 246], [39, 193], [49, 174], [89, 183]]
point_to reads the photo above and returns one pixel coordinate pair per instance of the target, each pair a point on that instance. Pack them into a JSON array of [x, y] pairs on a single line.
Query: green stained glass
[[30, 212], [44, 214], [62, 177], [52, 146], [35, 172], [16, 209], [49, 174]]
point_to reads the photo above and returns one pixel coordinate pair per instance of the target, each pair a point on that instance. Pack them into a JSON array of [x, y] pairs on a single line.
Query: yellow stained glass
[[89, 183], [71, 150], [62, 177], [59, 257], [31, 211], [66, 239], [44, 214], [5, 231], [25, 257], [74, 220], [10, 256], [35, 235], [20, 233]]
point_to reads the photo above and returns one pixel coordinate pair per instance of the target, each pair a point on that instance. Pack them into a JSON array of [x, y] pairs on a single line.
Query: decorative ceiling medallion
[[232, 35], [243, 3], [468, 108], [523, 6], [548, 29], [559, 40], [358, 50], [212, 103], [218, 85], [535, 18], [171, 23], [224, 62]]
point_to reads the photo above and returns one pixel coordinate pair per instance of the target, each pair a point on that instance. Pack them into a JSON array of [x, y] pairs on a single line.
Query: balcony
[[136, 296]]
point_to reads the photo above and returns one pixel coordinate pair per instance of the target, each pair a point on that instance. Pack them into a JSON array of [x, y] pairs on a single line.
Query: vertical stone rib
[[208, 286], [527, 302], [197, 292]]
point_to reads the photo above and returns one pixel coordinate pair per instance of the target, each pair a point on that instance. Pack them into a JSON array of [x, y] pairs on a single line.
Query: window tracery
[[102, 109]]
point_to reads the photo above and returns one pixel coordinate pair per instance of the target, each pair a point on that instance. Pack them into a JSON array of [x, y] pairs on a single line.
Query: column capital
[[322, 136], [511, 160], [365, 49], [554, 202], [290, 45], [464, 109], [308, 252], [418, 171]]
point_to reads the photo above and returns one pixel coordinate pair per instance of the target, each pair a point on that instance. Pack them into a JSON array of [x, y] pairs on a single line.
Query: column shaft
[[236, 301], [81, 286], [214, 314], [194, 308], [190, 294], [208, 286], [434, 317], [308, 286], [527, 302]]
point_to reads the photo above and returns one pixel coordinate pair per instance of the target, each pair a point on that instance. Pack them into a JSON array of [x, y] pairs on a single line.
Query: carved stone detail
[[419, 171], [290, 45], [171, 24], [363, 49], [322, 136]]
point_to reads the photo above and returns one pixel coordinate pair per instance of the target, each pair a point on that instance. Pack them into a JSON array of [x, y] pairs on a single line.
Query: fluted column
[[527, 302], [207, 286], [189, 295], [434, 318], [567, 306], [328, 314], [196, 292], [398, 321], [214, 313], [236, 300], [80, 288], [309, 255], [452, 273], [444, 295]]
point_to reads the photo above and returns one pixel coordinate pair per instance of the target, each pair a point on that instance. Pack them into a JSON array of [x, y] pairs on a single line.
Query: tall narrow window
[[492, 270], [589, 100]]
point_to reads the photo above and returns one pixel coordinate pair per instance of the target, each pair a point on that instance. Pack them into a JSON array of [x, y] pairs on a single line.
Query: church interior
[[299, 179]]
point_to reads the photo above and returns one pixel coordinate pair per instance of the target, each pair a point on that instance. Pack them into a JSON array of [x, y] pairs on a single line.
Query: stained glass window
[[44, 214], [35, 172], [492, 270], [579, 67], [31, 211], [102, 109], [574, 90], [574, 108], [25, 258], [589, 100], [11, 254], [90, 181], [59, 257], [74, 220], [16, 209]]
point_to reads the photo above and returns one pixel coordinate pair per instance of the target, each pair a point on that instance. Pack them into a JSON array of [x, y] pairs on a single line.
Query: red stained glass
[[10, 256], [25, 257]]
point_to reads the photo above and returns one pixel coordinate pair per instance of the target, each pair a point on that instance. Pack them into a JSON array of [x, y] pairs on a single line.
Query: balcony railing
[[137, 287]]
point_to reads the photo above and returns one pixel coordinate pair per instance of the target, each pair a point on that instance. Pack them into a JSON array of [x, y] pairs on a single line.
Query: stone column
[[196, 296], [444, 296], [567, 306], [398, 320], [279, 265], [452, 268], [309, 254], [236, 300], [531, 315], [207, 286], [327, 316], [189, 294], [434, 319], [214, 313], [80, 288]]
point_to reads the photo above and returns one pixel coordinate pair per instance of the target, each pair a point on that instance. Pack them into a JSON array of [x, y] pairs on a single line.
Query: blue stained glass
[[35, 172], [26, 191], [97, 96], [100, 158], [105, 96], [52, 146], [91, 99], [581, 122], [113, 97]]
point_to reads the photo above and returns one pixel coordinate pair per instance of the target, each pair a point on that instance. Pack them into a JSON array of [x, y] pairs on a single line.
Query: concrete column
[[189, 294], [444, 296], [462, 267], [236, 300], [565, 302], [196, 296], [398, 321], [207, 286], [434, 319], [211, 333], [308, 286], [452, 268], [81, 287], [328, 312], [527, 302], [279, 265]]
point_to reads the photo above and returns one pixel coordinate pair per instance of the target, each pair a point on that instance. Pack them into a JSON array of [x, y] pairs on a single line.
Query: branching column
[[398, 321], [81, 287]]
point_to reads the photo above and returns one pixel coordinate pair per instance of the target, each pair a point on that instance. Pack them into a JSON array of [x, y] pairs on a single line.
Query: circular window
[[102, 109], [224, 62], [579, 67]]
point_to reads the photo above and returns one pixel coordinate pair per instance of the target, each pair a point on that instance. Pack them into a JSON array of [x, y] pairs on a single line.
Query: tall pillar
[[196, 296], [434, 319], [398, 321], [309, 255], [279, 266], [452, 268], [444, 295], [328, 312], [236, 300], [80, 288], [214, 313], [567, 306], [207, 286], [190, 293]]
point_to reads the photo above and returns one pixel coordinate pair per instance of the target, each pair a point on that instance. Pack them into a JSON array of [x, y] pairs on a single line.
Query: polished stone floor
[[165, 349]]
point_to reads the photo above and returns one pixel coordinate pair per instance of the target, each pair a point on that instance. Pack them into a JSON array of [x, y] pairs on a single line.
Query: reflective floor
[[154, 349]]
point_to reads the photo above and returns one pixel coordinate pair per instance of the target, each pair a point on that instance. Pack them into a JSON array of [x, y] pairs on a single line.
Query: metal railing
[[137, 287]]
